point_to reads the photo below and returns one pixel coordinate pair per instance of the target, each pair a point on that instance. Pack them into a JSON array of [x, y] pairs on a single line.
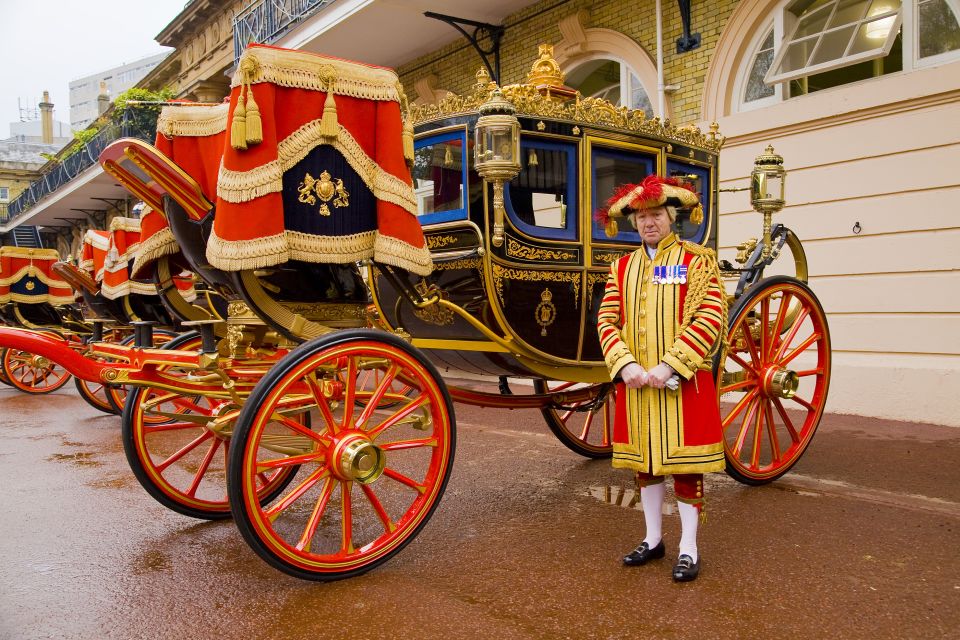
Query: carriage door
[[538, 270]]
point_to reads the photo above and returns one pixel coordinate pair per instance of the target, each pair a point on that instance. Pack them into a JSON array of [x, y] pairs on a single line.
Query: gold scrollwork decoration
[[433, 314], [439, 242], [607, 257], [462, 263], [518, 250], [505, 273], [546, 311], [324, 189]]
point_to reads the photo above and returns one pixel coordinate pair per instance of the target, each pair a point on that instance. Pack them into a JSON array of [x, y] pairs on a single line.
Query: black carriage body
[[541, 288]]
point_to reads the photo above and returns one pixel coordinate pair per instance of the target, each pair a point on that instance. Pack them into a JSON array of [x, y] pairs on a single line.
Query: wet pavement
[[860, 540]]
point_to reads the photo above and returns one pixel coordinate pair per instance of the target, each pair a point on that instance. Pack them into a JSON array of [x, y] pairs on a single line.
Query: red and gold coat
[[658, 430]]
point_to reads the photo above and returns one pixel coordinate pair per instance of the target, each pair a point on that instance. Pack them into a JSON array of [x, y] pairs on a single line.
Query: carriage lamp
[[497, 152], [767, 189]]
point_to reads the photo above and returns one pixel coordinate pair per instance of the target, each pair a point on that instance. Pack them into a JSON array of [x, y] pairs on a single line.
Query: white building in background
[[84, 91]]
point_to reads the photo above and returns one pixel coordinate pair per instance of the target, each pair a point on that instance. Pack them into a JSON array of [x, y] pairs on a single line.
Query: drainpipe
[[661, 89]]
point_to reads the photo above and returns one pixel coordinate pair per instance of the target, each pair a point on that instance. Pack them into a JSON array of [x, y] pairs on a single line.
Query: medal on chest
[[670, 274]]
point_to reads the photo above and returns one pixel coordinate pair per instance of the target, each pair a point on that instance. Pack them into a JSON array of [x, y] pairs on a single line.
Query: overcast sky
[[44, 44]]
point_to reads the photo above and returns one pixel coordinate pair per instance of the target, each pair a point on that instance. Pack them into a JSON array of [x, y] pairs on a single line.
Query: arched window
[[811, 45], [611, 80]]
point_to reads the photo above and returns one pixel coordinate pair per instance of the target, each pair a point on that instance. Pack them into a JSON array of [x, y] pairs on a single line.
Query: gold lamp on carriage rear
[[767, 183], [496, 152]]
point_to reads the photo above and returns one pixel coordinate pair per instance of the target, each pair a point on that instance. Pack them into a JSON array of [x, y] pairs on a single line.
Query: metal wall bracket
[[480, 30], [688, 41]]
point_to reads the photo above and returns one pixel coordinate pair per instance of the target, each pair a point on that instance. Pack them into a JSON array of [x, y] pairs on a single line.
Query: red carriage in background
[[331, 443]]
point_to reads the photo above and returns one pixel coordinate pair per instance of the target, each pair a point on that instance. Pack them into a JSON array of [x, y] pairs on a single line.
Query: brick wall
[[455, 64]]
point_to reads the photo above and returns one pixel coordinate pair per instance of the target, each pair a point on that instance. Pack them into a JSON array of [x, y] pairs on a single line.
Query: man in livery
[[662, 319]]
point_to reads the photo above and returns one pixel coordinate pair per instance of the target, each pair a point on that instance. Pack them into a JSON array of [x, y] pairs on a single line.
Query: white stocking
[[689, 517], [651, 497]]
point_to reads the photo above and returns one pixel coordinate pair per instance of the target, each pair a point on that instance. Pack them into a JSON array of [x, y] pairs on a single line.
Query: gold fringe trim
[[24, 252], [25, 272], [125, 224], [160, 244], [243, 186], [302, 70], [193, 121], [401, 254], [130, 286], [237, 255], [19, 297]]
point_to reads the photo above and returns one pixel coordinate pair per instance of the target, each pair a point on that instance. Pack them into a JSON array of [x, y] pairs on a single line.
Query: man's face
[[652, 224]]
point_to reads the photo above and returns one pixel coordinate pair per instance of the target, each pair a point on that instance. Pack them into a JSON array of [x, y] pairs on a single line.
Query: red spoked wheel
[[774, 379], [96, 395], [3, 374], [31, 373], [178, 446], [586, 426], [372, 470]]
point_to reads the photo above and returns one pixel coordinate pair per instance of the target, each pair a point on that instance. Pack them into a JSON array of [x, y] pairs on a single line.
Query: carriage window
[[439, 176], [688, 226], [542, 200], [612, 168]]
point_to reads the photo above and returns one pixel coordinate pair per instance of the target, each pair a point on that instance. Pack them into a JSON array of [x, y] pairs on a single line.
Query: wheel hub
[[40, 362], [780, 382], [356, 457]]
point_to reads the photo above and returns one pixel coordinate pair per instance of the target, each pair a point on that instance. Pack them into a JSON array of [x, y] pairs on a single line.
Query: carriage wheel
[[31, 373], [96, 395], [3, 374], [175, 456], [116, 395], [372, 470], [585, 427], [775, 379]]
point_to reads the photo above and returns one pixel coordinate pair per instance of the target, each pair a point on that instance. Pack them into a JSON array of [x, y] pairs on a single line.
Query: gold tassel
[[532, 160], [328, 123], [238, 128], [447, 156], [696, 216], [611, 228], [408, 141], [254, 124]]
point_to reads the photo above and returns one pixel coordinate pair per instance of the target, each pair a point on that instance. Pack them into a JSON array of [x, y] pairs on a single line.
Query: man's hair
[[671, 213]]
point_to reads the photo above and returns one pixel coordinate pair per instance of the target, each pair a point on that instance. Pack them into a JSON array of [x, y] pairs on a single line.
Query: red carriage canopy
[[25, 277], [316, 166]]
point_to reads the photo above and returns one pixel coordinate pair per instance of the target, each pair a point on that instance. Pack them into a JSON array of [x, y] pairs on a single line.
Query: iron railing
[[265, 21], [137, 123]]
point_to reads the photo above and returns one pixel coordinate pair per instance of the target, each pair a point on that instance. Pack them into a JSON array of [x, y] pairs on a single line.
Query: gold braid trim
[[243, 186], [160, 244], [237, 255], [36, 273], [194, 121], [125, 224], [24, 252], [697, 291], [128, 287], [86, 265], [94, 239], [303, 70]]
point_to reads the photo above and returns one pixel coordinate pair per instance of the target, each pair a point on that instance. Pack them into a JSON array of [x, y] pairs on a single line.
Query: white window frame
[[911, 53], [743, 78], [845, 60], [4, 194], [625, 72]]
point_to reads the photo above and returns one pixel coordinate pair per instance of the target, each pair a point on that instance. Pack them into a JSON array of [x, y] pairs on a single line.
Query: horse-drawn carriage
[[330, 442]]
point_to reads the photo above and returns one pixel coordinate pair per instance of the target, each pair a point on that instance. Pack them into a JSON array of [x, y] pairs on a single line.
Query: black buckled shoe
[[686, 569], [644, 554]]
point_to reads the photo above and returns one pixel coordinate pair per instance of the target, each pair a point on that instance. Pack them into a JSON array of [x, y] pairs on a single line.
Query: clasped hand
[[635, 376]]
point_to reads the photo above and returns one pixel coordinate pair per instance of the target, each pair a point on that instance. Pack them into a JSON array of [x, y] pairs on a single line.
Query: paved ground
[[859, 541]]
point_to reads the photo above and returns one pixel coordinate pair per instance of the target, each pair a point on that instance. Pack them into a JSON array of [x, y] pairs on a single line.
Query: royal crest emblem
[[323, 189]]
